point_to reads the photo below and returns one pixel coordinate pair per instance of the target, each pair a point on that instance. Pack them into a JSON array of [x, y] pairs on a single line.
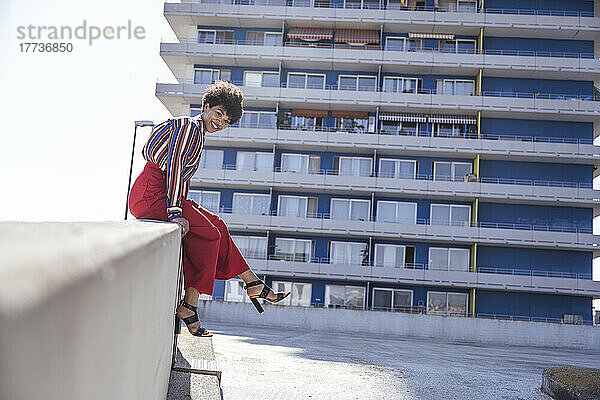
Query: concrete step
[[196, 374]]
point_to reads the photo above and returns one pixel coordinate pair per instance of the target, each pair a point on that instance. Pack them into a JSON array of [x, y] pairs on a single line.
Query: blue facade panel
[[537, 128], [536, 306], [541, 5], [539, 45], [532, 171], [543, 260], [527, 216], [538, 87]]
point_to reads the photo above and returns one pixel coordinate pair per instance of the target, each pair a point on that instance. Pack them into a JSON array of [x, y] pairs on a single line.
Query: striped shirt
[[175, 147]]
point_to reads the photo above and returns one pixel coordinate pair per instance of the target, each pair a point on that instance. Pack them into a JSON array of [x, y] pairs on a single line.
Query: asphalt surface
[[276, 363]]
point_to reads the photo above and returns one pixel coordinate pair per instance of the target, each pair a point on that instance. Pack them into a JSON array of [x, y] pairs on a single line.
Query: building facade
[[401, 155]]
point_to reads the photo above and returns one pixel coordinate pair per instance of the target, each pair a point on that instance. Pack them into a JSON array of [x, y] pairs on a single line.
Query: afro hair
[[226, 95]]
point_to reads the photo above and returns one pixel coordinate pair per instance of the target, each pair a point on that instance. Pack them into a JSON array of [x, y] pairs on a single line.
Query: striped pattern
[[453, 119], [175, 147], [356, 36], [310, 33], [397, 117], [443, 36]]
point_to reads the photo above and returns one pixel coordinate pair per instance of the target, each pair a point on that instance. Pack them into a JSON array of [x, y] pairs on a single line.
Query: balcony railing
[[376, 5], [421, 266], [427, 221], [483, 136], [370, 88], [429, 177], [424, 49]]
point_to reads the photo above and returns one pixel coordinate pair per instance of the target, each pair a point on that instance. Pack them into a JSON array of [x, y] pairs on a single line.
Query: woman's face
[[214, 118]]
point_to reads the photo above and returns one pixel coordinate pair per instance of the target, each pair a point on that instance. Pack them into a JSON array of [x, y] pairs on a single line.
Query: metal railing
[[418, 266], [423, 177], [423, 310], [421, 133], [380, 5], [417, 92], [422, 49], [425, 221]]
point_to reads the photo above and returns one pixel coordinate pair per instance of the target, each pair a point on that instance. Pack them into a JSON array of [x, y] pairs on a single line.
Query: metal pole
[[130, 171]]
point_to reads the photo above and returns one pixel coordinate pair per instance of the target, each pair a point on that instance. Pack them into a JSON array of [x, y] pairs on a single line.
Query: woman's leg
[[230, 262]]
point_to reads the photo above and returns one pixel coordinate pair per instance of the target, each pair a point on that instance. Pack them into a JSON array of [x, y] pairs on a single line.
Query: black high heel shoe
[[201, 331], [263, 295]]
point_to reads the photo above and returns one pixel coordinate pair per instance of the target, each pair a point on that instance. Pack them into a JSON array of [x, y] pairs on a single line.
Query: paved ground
[[267, 364]]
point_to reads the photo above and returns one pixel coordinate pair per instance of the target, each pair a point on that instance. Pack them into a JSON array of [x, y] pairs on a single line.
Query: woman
[[173, 154]]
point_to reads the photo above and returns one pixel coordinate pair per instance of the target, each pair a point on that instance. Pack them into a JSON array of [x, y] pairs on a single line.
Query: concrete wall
[[476, 330], [86, 309]]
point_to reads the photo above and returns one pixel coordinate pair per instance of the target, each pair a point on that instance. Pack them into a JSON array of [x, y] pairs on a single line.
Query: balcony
[[484, 278], [518, 235], [516, 63], [492, 104], [497, 22], [327, 181], [489, 146]]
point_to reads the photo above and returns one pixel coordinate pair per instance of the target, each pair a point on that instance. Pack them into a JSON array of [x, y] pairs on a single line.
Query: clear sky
[[67, 118]]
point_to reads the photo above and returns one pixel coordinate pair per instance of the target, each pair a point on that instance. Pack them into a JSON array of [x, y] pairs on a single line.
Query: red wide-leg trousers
[[209, 253]]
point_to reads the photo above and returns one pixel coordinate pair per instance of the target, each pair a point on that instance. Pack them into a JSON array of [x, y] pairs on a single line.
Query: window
[[397, 212], [447, 303], [400, 128], [365, 4], [215, 36], [208, 200], [357, 82], [401, 85], [208, 76], [394, 256], [353, 125], [234, 291], [297, 250], [398, 4], [306, 123], [343, 296], [297, 206], [301, 293], [264, 38], [392, 299], [211, 159], [403, 44], [397, 169], [450, 215], [300, 163], [252, 247], [448, 259], [469, 6], [455, 130], [450, 171], [455, 87], [261, 79], [258, 119], [250, 203], [251, 161], [352, 166], [302, 80], [350, 209], [462, 46], [348, 253]]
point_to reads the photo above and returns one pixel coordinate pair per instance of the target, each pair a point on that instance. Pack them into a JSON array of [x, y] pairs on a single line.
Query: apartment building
[[397, 155]]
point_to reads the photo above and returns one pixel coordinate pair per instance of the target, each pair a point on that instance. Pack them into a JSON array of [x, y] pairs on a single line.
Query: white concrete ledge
[[86, 309], [477, 330]]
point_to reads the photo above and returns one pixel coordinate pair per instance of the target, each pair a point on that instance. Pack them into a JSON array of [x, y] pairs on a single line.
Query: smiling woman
[[160, 192]]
